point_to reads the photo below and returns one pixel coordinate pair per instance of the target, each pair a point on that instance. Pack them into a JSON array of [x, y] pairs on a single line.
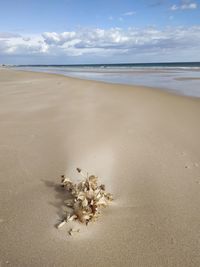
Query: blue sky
[[75, 31]]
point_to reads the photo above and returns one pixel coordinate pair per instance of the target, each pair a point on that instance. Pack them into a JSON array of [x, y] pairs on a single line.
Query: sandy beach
[[143, 143]]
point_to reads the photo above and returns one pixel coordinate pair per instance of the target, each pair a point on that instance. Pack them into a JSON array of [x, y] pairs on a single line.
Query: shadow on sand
[[61, 195]]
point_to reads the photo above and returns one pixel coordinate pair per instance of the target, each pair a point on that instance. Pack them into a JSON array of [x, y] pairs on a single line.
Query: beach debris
[[73, 231], [61, 224], [86, 201]]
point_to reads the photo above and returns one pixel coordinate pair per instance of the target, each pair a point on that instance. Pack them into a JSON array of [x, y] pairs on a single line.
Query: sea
[[178, 77]]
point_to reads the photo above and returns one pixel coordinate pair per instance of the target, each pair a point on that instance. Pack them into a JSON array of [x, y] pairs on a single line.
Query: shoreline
[[170, 91], [142, 143], [163, 79]]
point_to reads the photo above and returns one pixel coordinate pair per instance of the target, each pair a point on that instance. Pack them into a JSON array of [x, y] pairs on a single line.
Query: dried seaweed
[[87, 199]]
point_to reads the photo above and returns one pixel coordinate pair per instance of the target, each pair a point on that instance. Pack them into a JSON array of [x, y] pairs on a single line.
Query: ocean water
[[180, 78]]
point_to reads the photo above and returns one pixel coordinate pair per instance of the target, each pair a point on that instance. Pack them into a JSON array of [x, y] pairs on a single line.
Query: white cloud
[[126, 14], [21, 45], [189, 6], [56, 38], [174, 7], [112, 43], [184, 5], [130, 13]]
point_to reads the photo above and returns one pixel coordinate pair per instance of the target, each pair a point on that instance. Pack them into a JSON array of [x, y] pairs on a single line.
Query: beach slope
[[143, 144]]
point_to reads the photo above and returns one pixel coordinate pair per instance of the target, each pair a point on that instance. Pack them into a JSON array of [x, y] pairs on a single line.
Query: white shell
[[61, 224]]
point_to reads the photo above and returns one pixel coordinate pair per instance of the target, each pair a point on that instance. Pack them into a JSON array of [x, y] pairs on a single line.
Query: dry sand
[[143, 143]]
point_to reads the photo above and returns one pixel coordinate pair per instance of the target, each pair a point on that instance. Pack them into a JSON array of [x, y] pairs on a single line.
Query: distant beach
[[180, 78]]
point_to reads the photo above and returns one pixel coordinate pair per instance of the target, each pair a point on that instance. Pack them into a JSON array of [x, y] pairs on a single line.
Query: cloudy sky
[[99, 31]]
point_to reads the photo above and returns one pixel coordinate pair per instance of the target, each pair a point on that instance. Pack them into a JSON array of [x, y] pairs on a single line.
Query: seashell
[[67, 180], [72, 218], [81, 196], [61, 224], [93, 179], [84, 202], [86, 217], [70, 205]]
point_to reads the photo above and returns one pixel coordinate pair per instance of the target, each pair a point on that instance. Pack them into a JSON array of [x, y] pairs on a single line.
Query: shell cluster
[[88, 198]]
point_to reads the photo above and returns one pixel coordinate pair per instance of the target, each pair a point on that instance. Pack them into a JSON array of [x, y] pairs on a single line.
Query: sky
[[99, 31]]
